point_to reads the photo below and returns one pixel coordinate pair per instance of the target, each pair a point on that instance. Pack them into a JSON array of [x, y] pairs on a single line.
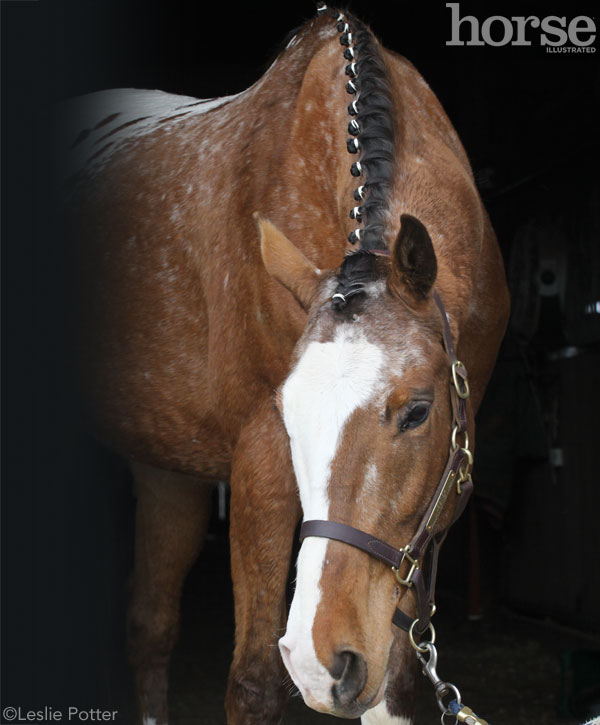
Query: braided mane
[[377, 135], [372, 127]]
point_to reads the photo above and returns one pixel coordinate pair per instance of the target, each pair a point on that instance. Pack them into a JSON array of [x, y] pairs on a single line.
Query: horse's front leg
[[173, 512], [399, 702], [263, 517]]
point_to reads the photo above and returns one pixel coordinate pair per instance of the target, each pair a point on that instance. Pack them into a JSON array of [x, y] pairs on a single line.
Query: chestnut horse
[[240, 324]]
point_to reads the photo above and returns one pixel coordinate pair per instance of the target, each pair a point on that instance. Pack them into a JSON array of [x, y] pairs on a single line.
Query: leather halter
[[417, 558]]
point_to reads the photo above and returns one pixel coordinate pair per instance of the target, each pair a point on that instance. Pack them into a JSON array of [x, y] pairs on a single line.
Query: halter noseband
[[418, 560]]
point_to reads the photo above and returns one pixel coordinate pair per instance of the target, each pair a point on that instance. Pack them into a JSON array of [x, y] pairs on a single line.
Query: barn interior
[[519, 586]]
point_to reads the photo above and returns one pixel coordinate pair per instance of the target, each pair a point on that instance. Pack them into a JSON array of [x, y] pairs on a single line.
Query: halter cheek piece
[[415, 565]]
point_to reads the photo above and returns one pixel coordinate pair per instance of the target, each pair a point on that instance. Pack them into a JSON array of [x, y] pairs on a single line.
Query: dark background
[[528, 120]]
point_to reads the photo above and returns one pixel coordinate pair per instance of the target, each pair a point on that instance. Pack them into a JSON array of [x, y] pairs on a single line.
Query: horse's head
[[367, 411]]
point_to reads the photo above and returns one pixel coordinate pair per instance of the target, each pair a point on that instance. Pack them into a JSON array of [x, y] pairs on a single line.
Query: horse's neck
[[434, 183], [308, 190], [301, 169]]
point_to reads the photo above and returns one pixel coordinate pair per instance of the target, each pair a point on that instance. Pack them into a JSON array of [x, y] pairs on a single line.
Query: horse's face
[[367, 411]]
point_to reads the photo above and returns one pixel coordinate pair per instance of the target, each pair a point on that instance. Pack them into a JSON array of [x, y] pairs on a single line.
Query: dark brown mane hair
[[372, 123], [357, 269], [377, 131]]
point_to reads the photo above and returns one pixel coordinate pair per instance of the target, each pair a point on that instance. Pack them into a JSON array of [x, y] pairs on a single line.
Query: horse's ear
[[414, 265], [286, 263]]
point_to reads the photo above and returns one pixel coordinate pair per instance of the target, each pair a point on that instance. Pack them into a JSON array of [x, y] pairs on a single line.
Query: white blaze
[[330, 382]]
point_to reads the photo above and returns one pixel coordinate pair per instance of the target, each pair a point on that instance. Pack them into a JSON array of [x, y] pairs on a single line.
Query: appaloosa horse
[[265, 278]]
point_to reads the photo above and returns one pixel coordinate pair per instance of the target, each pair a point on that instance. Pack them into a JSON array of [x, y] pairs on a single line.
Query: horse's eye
[[414, 416]]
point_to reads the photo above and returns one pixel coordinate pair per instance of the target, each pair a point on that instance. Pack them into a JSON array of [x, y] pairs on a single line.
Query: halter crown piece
[[354, 129]]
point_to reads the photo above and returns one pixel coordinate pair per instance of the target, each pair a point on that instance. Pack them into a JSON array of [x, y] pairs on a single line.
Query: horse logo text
[[554, 31]]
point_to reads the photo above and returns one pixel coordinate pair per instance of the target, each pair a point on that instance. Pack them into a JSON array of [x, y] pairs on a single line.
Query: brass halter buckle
[[464, 472], [414, 564], [459, 380]]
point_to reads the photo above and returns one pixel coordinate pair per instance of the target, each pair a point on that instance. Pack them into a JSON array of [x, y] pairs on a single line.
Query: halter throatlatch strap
[[415, 565]]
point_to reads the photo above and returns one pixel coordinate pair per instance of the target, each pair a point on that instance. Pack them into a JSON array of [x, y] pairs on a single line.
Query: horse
[[281, 287]]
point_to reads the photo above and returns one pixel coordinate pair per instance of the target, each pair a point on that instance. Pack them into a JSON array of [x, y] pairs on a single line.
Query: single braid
[[371, 128]]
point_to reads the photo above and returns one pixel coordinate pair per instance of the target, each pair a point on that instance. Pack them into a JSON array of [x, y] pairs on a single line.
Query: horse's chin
[[379, 694], [352, 711]]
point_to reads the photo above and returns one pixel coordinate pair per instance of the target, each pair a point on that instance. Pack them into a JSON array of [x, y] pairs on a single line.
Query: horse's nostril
[[350, 670]]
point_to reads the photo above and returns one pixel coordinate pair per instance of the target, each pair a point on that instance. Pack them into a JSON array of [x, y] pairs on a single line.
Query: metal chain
[[461, 385]]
